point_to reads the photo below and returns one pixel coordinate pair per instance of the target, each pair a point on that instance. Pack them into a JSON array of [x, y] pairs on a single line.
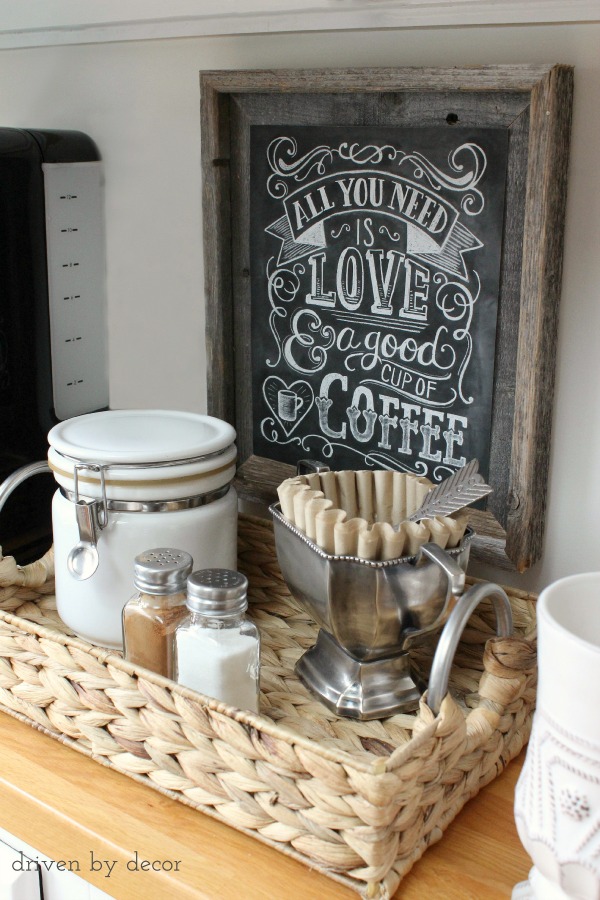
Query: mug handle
[[452, 633]]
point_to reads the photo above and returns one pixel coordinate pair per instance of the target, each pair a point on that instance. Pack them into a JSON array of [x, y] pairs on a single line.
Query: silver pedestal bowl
[[370, 614]]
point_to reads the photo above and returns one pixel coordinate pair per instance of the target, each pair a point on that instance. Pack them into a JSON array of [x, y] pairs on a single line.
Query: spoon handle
[[86, 523]]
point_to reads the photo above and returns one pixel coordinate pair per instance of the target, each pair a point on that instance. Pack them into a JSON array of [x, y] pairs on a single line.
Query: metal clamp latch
[[100, 507], [92, 517]]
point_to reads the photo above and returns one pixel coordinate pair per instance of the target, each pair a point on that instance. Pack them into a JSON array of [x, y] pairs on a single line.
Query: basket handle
[[452, 633]]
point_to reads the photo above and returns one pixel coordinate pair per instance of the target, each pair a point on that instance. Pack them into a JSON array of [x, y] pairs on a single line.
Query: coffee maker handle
[[19, 476], [452, 633]]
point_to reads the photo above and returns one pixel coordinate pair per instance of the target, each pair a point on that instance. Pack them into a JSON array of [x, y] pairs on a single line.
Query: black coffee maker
[[52, 311]]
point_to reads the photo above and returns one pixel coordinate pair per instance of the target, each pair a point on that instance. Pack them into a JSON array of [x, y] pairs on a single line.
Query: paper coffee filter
[[312, 508], [325, 523], [365, 513]]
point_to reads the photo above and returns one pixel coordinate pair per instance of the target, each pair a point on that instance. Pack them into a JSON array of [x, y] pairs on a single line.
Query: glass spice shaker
[[151, 616], [217, 649]]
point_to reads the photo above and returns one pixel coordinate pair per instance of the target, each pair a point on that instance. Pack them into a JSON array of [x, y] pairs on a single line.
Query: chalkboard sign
[[382, 258], [374, 286]]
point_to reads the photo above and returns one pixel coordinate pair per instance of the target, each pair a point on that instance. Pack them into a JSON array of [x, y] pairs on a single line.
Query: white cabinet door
[[19, 875], [26, 874]]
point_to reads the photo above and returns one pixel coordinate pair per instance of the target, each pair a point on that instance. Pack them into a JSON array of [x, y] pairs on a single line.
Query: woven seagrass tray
[[358, 801]]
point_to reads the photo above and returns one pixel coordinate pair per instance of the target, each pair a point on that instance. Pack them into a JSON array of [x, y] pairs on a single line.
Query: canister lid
[[217, 592], [162, 570], [140, 436]]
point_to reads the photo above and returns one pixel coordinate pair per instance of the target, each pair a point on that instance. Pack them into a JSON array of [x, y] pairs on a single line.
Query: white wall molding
[[54, 22]]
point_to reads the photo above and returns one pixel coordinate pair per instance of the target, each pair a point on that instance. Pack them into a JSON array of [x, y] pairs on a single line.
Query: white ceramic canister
[[136, 479]]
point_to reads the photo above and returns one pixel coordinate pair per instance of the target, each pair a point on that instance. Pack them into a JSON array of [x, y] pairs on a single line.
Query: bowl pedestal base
[[357, 689]]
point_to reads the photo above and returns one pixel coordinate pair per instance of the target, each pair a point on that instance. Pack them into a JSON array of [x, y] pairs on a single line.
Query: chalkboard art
[[375, 277]]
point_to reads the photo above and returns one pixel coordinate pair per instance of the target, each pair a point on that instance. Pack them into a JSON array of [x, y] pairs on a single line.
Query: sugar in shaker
[[217, 649]]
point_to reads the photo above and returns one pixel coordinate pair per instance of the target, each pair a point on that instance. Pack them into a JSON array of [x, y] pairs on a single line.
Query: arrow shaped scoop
[[463, 488]]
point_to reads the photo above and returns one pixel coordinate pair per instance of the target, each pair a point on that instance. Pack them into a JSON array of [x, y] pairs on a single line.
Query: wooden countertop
[[68, 807]]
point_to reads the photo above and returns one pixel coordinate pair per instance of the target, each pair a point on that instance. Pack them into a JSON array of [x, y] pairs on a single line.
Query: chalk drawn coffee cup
[[288, 404], [557, 799]]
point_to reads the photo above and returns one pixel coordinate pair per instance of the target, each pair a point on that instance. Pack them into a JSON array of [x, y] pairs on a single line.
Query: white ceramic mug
[[557, 799]]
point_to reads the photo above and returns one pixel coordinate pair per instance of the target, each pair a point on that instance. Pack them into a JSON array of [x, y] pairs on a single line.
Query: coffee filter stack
[[364, 513]]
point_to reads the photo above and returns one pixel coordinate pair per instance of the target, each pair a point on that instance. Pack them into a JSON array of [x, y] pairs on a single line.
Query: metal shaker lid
[[163, 570], [217, 592]]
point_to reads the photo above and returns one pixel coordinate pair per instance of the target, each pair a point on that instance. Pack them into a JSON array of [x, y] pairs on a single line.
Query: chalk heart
[[289, 403]]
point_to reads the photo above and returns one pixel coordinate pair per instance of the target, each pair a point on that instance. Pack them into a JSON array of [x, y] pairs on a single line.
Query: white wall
[[140, 102]]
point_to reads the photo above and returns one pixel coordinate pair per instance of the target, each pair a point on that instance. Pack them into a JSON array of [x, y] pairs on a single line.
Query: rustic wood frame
[[534, 103]]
